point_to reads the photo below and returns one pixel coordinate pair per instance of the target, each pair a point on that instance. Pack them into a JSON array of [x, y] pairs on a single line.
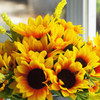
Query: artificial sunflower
[[70, 77], [31, 46], [32, 80], [69, 38], [68, 25], [56, 32], [36, 28], [34, 44], [85, 56]]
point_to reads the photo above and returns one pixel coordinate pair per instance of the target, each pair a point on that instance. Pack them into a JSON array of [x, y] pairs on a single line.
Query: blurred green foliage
[[98, 6]]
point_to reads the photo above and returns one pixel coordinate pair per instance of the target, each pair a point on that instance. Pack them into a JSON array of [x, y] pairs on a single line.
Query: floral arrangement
[[47, 58]]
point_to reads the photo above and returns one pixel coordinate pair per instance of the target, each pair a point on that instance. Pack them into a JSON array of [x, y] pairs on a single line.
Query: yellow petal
[[22, 69], [31, 21], [55, 86], [49, 62], [64, 93], [39, 20], [44, 42]]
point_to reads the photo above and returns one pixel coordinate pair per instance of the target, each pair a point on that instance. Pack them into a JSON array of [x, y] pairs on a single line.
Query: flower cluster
[[47, 57]]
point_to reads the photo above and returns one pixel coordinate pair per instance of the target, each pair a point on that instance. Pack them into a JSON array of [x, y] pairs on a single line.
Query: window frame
[[83, 12]]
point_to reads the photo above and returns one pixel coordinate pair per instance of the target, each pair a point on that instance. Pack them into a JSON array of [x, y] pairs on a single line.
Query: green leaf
[[92, 82], [82, 95], [69, 47], [95, 78], [15, 35], [9, 35], [6, 93]]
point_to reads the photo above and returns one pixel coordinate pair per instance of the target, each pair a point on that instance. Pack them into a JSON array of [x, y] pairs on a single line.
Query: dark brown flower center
[[35, 78], [67, 77], [1, 84], [82, 61]]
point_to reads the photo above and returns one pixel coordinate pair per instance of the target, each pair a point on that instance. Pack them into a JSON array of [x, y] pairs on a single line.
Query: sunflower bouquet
[[47, 59]]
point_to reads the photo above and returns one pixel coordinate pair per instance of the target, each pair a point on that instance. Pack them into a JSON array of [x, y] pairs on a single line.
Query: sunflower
[[36, 28], [35, 45], [69, 37], [70, 77], [32, 80], [68, 25], [85, 56], [56, 32], [78, 29], [31, 46]]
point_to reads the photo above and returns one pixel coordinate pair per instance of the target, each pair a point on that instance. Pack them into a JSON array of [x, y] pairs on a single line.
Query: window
[[83, 12]]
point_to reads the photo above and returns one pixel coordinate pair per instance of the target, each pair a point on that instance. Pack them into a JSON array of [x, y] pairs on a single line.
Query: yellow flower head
[[59, 8], [70, 77], [36, 28], [32, 80], [31, 47], [69, 37], [85, 56]]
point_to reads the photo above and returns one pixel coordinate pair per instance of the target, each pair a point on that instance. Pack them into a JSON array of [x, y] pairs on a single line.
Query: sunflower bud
[[7, 20], [2, 78], [2, 30], [59, 8]]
